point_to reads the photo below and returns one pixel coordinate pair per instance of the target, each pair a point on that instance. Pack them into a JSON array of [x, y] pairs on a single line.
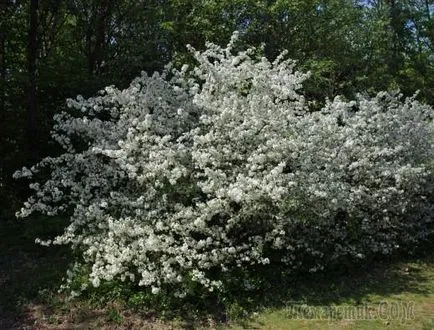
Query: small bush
[[201, 179]]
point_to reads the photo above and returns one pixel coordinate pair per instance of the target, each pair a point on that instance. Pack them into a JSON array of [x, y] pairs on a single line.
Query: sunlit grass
[[30, 276], [388, 291]]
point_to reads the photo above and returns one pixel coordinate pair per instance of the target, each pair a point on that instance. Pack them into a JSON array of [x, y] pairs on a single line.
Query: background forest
[[51, 50]]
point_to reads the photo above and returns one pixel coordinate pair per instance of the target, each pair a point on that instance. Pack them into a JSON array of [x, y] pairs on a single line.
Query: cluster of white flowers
[[190, 174]]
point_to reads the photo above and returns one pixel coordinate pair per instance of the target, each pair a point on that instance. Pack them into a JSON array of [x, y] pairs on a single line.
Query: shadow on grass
[[376, 282], [31, 274], [354, 285], [27, 269]]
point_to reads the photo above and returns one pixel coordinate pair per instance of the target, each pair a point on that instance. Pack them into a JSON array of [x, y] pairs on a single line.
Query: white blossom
[[216, 166]]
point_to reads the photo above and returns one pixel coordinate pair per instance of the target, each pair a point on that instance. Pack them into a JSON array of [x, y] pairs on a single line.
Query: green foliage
[[114, 316], [348, 47]]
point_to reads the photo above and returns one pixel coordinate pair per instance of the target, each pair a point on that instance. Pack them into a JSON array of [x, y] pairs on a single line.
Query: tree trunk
[[32, 129], [2, 72], [96, 53], [428, 13], [396, 29], [3, 13]]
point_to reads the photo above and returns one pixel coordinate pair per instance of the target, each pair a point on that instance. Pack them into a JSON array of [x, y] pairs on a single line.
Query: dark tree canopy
[[54, 49]]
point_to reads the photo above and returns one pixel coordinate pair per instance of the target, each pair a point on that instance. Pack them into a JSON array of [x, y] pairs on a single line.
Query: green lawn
[[392, 294], [398, 295]]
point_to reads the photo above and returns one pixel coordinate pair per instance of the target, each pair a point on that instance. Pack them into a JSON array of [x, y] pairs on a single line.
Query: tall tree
[[3, 12], [33, 131], [2, 71], [96, 40]]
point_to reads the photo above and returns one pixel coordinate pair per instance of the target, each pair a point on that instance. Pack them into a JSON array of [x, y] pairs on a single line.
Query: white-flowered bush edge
[[189, 174]]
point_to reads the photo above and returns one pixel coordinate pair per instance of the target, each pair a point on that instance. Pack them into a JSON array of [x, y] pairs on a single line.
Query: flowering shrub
[[188, 175]]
